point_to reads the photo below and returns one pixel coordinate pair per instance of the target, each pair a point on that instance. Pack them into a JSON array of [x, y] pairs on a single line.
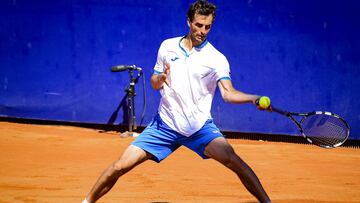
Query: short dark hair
[[201, 7]]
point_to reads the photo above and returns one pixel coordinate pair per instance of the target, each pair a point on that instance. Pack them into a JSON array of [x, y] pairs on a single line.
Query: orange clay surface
[[54, 164]]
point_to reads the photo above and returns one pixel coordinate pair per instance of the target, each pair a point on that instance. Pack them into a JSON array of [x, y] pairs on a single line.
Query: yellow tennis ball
[[264, 102]]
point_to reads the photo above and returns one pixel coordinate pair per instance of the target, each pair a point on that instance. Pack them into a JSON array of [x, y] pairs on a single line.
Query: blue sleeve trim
[[224, 78], [157, 72]]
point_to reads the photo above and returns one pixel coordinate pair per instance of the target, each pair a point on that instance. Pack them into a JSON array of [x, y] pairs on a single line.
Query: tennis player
[[187, 71]]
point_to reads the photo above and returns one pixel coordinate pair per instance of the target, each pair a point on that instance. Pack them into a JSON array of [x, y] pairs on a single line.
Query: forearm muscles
[[230, 94], [235, 96]]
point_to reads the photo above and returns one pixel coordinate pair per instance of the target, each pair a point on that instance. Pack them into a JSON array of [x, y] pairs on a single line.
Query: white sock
[[85, 201]]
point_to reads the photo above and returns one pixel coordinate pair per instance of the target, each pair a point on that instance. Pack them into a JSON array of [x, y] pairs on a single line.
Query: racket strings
[[325, 130]]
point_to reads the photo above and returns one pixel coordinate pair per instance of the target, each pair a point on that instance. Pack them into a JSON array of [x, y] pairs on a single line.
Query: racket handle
[[280, 111]]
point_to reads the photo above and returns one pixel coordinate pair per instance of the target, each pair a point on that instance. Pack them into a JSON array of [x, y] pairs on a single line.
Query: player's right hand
[[166, 74]]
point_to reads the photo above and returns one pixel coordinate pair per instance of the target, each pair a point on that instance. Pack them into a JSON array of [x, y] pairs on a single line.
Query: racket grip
[[280, 111]]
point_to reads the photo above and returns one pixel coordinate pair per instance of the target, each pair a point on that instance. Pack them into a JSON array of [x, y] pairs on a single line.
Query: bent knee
[[230, 158], [225, 155], [121, 167]]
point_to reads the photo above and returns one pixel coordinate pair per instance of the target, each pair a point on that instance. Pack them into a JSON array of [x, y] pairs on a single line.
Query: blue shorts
[[160, 140]]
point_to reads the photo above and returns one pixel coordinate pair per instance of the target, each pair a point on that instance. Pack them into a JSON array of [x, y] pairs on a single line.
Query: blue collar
[[200, 46], [204, 43]]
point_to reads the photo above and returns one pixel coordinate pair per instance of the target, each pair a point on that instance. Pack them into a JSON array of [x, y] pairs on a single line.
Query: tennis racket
[[321, 128]]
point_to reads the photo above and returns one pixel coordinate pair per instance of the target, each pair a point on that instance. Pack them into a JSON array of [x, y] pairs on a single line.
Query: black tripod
[[130, 92]]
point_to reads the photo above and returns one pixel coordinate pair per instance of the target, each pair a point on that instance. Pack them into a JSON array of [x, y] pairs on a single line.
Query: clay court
[[47, 163]]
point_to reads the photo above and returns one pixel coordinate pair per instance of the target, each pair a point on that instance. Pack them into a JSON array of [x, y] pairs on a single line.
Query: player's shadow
[[123, 105]]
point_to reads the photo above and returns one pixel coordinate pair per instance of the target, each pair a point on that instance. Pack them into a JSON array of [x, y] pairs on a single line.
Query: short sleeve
[[159, 65], [222, 69]]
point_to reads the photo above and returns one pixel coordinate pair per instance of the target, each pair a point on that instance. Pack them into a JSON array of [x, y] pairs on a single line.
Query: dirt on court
[[57, 164]]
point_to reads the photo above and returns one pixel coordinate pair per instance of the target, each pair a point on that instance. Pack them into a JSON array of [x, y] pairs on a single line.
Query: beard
[[198, 39]]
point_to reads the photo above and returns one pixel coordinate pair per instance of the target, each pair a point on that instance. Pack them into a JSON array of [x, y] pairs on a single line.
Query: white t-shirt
[[185, 105]]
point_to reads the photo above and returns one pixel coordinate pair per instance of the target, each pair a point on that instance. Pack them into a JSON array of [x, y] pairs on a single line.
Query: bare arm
[[230, 94]]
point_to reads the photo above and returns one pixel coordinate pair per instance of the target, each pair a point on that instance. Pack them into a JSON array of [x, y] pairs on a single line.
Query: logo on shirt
[[175, 58]]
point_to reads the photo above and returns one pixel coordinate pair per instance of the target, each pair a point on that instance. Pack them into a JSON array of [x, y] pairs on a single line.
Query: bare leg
[[220, 150], [132, 157]]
